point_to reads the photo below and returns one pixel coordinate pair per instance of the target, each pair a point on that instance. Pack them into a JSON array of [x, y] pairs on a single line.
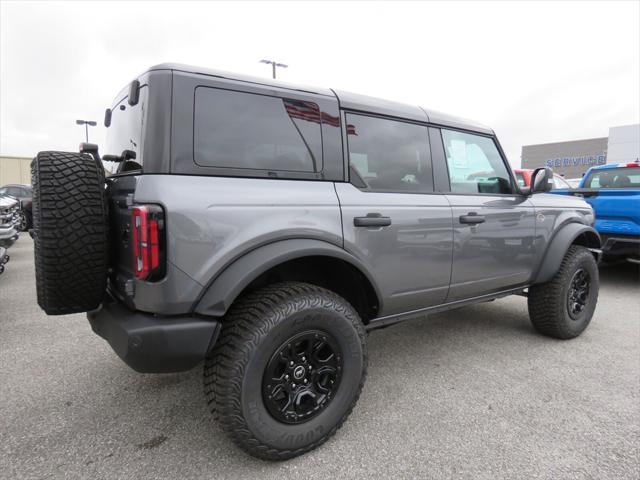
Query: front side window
[[389, 155], [258, 132], [475, 164]]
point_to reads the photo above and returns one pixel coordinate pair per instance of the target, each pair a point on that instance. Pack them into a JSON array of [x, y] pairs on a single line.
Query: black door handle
[[472, 218], [372, 220]]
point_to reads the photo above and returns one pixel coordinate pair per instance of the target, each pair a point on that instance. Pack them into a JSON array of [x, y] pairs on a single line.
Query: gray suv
[[264, 228]]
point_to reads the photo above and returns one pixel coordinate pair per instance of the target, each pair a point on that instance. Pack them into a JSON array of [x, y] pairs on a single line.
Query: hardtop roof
[[348, 100]]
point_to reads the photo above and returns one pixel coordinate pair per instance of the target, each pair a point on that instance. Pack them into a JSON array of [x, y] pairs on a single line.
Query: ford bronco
[[263, 228]]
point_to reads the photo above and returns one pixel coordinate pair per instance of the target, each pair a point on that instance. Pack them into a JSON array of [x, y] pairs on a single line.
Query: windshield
[[624, 177], [125, 132]]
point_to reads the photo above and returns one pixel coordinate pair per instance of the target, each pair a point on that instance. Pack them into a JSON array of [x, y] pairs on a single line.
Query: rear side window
[[626, 177], [389, 155], [475, 164], [258, 132]]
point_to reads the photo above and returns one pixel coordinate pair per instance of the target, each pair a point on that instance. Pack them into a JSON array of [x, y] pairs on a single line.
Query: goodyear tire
[[287, 370], [69, 231]]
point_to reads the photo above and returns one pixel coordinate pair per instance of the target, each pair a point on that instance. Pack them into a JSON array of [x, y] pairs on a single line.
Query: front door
[[392, 219], [494, 226]]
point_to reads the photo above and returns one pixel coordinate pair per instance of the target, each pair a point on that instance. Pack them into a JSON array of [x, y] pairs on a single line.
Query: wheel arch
[[569, 234], [307, 260]]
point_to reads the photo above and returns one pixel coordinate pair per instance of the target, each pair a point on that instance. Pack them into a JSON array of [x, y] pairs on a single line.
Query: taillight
[[146, 224]]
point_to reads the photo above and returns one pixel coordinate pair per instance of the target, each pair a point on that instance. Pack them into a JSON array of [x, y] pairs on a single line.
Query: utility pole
[[87, 124], [274, 64]]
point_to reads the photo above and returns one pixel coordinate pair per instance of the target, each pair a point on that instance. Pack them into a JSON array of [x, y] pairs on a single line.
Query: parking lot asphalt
[[471, 393]]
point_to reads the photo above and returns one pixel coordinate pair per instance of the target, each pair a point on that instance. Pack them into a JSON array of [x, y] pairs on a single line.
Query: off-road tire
[[251, 332], [70, 228], [547, 302]]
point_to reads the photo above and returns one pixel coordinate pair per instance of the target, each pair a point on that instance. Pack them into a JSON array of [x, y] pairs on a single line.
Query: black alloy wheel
[[302, 377], [563, 306], [578, 293], [287, 369]]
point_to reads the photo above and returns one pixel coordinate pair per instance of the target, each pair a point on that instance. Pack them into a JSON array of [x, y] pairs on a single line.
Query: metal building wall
[[15, 170], [571, 159]]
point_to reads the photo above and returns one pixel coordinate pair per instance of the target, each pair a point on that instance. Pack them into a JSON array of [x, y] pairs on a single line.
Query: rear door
[[493, 225], [392, 219]]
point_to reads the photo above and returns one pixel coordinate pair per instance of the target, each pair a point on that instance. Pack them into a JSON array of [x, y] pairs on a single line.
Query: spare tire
[[69, 231]]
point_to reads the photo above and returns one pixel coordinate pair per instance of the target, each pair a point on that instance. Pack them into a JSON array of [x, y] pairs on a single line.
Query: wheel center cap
[[298, 372]]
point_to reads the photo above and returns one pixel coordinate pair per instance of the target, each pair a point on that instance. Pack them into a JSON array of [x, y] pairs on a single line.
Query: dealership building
[[571, 159]]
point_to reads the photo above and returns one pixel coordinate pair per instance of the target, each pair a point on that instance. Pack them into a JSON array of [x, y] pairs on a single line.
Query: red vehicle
[[523, 177]]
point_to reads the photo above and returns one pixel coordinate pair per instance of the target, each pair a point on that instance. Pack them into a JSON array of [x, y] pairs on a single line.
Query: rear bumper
[[153, 344], [621, 245]]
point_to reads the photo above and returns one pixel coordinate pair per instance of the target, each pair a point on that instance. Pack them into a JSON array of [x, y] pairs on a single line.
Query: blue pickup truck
[[613, 190]]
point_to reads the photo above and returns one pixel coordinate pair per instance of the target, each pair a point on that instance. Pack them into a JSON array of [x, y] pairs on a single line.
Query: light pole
[[86, 124], [274, 64]]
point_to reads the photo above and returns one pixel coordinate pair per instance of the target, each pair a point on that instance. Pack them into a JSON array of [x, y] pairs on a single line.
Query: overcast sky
[[535, 72]]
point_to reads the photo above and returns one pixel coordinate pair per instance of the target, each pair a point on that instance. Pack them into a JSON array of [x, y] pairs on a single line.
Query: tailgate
[[120, 194]]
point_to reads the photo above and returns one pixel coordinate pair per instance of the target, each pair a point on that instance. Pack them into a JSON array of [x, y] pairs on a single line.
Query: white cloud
[[535, 72]]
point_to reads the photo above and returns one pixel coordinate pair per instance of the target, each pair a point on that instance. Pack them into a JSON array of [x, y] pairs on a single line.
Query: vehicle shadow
[[619, 274]]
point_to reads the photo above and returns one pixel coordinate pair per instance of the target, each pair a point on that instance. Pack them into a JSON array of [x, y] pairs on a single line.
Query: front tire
[[287, 370], [563, 307]]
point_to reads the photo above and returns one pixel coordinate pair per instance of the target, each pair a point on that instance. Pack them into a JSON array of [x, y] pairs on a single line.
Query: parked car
[[613, 190], [24, 194], [523, 177], [9, 222], [265, 227]]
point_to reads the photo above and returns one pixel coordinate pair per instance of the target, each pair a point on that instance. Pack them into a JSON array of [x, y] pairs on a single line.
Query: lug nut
[[293, 386], [305, 380], [286, 377], [291, 363], [304, 359]]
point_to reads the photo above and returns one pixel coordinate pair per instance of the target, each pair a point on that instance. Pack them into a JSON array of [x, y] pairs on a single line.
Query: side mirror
[[542, 180]]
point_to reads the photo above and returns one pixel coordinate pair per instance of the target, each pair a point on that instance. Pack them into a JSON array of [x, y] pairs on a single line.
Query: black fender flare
[[559, 245], [225, 288]]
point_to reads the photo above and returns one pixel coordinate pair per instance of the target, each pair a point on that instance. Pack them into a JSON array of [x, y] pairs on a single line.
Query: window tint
[[388, 155], [626, 177], [475, 165], [250, 131]]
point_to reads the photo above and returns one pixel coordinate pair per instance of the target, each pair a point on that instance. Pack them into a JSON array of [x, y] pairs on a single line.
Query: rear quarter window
[[241, 130]]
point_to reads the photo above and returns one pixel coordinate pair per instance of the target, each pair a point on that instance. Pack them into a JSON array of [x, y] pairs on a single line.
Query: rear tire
[[69, 231], [562, 307], [273, 398]]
